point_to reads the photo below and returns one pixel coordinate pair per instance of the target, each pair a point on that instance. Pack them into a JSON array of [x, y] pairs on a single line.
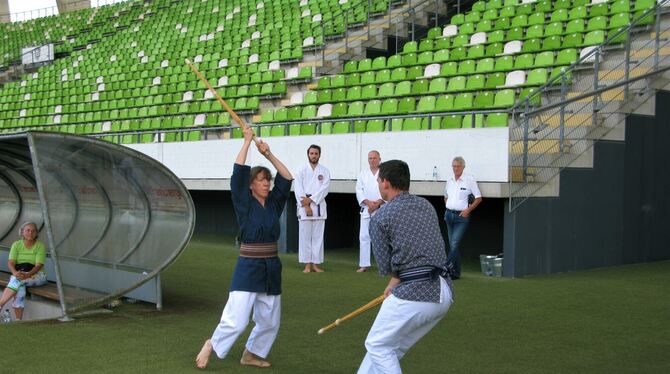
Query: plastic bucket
[[491, 265]]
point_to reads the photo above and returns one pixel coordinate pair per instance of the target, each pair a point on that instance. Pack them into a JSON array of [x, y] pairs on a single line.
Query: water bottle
[[6, 317], [434, 173]]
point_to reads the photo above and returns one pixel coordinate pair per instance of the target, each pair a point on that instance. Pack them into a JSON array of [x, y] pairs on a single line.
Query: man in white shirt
[[311, 187], [369, 200], [457, 199]]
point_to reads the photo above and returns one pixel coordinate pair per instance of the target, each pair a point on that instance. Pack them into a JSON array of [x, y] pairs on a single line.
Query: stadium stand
[[119, 71]]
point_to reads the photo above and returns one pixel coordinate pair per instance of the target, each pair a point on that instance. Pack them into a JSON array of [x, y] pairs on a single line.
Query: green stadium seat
[[502, 23], [463, 101], [497, 120], [544, 59], [495, 80], [504, 99], [475, 82], [355, 109], [426, 104], [373, 107], [535, 31], [354, 93], [410, 46], [415, 72], [403, 88], [375, 125], [412, 124], [366, 64], [466, 67], [575, 26], [386, 90], [351, 66], [456, 84], [596, 37], [452, 122], [406, 105], [444, 103], [572, 40], [531, 45], [473, 122], [389, 106], [369, 91], [485, 65], [437, 85], [578, 12], [597, 23], [483, 100], [524, 61]]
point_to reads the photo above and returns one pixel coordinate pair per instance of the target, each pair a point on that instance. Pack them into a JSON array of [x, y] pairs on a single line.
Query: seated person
[[26, 261]]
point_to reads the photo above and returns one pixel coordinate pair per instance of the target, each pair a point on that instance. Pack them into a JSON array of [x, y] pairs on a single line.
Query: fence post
[[596, 69], [323, 48], [524, 162], [369, 6], [657, 40], [561, 128], [627, 64], [346, 30]]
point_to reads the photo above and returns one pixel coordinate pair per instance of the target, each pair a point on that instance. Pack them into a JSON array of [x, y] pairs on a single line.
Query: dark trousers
[[456, 226]]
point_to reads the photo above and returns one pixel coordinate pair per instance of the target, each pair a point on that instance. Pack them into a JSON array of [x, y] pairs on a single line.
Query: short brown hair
[[260, 170]]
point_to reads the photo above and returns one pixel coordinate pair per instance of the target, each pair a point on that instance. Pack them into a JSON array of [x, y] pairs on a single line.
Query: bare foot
[[307, 269], [362, 270], [203, 357], [250, 359], [317, 269]]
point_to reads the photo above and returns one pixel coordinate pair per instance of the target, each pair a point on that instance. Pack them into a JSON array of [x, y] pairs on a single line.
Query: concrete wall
[[616, 213], [345, 155]]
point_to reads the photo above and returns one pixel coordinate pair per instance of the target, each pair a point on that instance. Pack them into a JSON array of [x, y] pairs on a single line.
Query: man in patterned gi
[[311, 186], [408, 246]]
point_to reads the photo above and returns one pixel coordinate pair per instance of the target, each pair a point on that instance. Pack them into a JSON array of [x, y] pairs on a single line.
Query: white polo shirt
[[457, 191]]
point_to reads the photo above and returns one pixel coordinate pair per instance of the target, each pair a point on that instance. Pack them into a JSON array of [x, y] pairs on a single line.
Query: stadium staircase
[[586, 105]]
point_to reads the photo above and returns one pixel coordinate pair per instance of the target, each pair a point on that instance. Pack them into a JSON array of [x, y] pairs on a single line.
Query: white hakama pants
[[235, 318], [364, 239], [310, 241], [398, 326]]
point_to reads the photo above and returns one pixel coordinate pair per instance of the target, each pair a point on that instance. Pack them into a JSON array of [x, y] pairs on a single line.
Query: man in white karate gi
[[312, 182], [369, 200]]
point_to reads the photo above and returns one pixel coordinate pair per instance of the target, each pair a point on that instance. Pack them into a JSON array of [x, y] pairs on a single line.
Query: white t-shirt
[[457, 191]]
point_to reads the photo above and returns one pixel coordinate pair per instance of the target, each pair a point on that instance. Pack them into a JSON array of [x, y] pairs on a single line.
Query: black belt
[[457, 212]]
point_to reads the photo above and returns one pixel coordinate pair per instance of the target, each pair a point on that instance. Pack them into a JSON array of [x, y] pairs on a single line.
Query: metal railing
[[432, 120], [559, 122]]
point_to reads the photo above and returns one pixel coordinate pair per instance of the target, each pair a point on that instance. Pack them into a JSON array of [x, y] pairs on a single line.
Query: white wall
[[485, 152]]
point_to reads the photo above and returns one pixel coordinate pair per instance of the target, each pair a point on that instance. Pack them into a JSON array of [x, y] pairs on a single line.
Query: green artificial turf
[[614, 320]]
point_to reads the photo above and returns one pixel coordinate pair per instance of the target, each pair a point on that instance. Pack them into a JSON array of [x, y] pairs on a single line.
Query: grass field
[[614, 320]]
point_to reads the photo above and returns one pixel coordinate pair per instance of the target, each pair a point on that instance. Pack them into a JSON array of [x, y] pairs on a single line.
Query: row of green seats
[[502, 63], [428, 103], [499, 36], [453, 121], [475, 82], [564, 53]]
